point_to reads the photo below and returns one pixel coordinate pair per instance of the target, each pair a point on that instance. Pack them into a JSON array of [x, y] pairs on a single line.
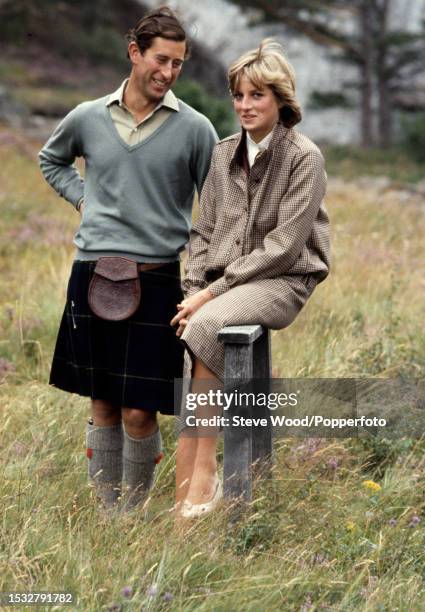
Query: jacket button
[[237, 241]]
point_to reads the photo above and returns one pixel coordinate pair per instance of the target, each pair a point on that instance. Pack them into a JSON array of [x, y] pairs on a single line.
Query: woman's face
[[257, 108]]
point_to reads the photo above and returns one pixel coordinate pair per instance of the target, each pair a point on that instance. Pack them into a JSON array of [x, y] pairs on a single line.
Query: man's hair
[[267, 65], [162, 22]]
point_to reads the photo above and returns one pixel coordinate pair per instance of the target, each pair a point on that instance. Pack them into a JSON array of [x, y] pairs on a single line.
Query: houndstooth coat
[[261, 243]]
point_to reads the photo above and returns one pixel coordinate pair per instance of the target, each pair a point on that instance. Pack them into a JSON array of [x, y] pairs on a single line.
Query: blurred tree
[[414, 136], [388, 59]]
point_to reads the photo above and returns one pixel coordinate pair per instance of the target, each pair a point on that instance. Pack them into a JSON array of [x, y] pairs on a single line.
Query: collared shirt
[[256, 147], [129, 130], [137, 198]]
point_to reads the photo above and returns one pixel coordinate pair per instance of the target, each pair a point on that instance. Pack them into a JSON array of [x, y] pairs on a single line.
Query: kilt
[[129, 363]]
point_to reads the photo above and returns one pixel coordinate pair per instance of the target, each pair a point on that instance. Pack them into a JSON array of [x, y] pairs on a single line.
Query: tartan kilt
[[129, 363]]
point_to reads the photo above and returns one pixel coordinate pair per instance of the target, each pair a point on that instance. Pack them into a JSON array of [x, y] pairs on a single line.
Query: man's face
[[158, 67]]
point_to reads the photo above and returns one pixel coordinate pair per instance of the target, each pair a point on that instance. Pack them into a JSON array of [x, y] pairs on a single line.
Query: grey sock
[[104, 452], [140, 457]]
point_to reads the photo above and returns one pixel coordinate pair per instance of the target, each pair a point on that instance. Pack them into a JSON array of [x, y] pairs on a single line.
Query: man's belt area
[[144, 267], [115, 290]]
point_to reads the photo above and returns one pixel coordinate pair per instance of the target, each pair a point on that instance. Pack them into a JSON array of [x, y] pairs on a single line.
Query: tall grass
[[315, 537], [365, 319], [397, 162]]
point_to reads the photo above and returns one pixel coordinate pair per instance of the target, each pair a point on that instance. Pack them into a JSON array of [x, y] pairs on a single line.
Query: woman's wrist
[[208, 294]]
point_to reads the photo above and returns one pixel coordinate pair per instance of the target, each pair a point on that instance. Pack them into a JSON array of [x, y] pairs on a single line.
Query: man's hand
[[188, 307]]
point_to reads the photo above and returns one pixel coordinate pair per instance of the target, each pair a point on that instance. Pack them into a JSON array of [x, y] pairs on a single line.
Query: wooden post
[[247, 357], [262, 440]]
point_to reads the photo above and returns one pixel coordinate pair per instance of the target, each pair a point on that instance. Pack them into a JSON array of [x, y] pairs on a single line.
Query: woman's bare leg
[[196, 464], [185, 463]]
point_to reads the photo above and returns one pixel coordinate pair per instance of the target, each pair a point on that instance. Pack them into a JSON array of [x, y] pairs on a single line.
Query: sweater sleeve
[[200, 237], [205, 139], [57, 158], [283, 245]]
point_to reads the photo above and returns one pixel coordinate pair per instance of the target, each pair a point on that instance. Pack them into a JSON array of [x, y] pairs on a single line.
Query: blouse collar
[[253, 148], [275, 136]]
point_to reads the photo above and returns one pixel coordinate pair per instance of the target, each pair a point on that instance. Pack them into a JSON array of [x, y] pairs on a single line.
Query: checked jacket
[[270, 222]]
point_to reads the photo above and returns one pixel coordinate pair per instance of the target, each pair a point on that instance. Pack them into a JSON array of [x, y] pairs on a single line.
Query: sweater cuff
[[218, 287], [75, 195]]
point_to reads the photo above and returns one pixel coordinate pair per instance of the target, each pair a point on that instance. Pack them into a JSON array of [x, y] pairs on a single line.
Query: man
[[144, 151]]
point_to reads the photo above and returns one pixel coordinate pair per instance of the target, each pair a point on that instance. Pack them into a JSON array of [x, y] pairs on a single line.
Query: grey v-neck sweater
[[137, 199]]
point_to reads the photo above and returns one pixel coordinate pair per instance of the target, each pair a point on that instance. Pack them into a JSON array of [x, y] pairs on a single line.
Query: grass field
[[393, 162], [317, 537]]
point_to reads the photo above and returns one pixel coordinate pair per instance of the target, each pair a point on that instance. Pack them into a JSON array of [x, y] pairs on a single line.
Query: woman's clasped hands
[[188, 307]]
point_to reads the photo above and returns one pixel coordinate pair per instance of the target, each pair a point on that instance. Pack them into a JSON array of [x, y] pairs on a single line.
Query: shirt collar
[[169, 100], [254, 148], [259, 146], [274, 136]]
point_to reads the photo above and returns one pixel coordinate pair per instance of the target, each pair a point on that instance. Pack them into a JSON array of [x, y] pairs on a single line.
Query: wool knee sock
[[104, 453], [140, 457]]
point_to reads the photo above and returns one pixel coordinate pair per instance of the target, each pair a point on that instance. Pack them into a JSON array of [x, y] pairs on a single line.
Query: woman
[[260, 246]]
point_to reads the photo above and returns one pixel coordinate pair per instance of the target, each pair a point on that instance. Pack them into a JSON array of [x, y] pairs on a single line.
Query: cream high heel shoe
[[198, 510]]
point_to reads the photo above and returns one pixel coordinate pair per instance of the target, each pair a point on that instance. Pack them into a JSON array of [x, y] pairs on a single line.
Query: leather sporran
[[114, 291]]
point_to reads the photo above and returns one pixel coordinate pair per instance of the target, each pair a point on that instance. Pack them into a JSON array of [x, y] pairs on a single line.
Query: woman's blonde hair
[[267, 66]]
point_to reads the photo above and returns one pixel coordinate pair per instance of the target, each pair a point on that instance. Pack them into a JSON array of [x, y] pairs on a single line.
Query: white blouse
[[256, 147]]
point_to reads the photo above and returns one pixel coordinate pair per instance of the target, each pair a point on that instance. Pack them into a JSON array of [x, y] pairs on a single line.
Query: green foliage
[[103, 44], [382, 453], [414, 136], [320, 100], [257, 530], [72, 28], [218, 111]]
